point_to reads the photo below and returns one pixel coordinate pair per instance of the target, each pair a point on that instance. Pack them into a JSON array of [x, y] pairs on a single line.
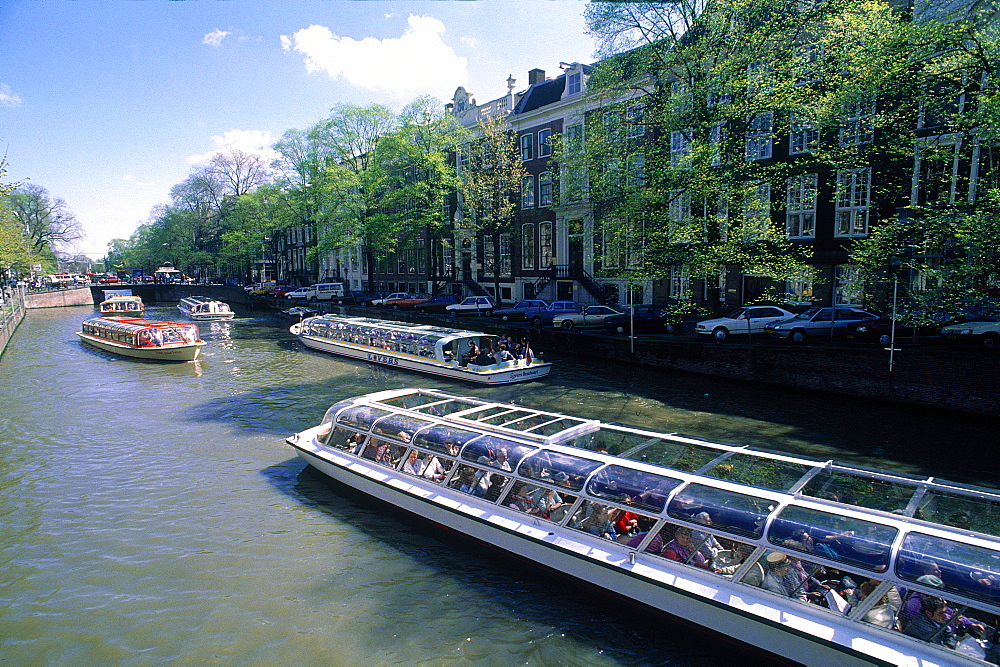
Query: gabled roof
[[544, 93]]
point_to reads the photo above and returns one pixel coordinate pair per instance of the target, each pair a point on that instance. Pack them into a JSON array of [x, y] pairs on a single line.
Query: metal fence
[[11, 312]]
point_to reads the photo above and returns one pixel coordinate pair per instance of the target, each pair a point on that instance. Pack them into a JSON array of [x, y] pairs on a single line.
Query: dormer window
[[574, 82]]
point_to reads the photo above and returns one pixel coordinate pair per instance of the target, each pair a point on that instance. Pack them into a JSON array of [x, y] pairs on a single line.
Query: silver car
[[746, 320], [817, 322], [591, 316]]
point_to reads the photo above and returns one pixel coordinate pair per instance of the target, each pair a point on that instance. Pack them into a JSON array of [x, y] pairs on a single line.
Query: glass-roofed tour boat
[[124, 305], [436, 350], [205, 308], [812, 561], [143, 339]]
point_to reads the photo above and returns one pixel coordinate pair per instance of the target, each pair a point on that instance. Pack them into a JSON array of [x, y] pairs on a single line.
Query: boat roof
[[133, 323], [122, 297], [199, 299], [421, 333]]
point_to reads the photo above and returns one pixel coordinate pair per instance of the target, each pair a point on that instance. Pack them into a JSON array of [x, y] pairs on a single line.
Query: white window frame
[[528, 246], [799, 288], [680, 282], [527, 147], [544, 143], [636, 167], [545, 189], [803, 135], [546, 247], [680, 149], [852, 203], [757, 212], [848, 286], [857, 121], [574, 83], [760, 136], [680, 98], [636, 116], [528, 192], [574, 139], [679, 213], [802, 192]]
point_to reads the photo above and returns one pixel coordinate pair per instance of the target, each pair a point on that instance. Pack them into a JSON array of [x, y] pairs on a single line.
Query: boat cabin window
[[861, 490], [671, 454], [731, 512], [361, 416], [861, 543], [486, 484], [428, 466], [331, 414], [569, 472], [642, 490], [610, 522], [540, 501], [966, 569], [401, 427], [960, 511], [948, 623], [444, 439], [803, 580], [345, 439], [759, 471], [699, 548], [383, 452], [497, 452]]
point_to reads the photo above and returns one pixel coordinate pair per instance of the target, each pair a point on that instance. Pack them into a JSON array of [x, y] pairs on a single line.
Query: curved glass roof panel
[[558, 469], [399, 426], [437, 438], [968, 512], [967, 569], [669, 453], [640, 489], [728, 511], [765, 473], [361, 416], [864, 544], [852, 488], [497, 451]]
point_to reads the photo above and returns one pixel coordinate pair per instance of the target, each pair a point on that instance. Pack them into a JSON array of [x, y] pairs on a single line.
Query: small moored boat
[[203, 308], [143, 339], [436, 350], [122, 305], [809, 560]]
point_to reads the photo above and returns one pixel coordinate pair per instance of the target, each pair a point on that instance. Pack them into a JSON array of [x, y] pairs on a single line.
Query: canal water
[[152, 513]]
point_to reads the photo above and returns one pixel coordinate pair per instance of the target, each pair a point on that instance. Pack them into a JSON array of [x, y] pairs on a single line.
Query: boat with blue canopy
[[812, 561]]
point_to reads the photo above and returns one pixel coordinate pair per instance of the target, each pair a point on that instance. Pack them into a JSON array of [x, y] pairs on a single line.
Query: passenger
[[502, 354], [931, 623], [497, 483], [466, 480], [600, 523], [550, 504], [434, 471], [708, 546], [518, 498], [684, 549], [470, 356], [627, 523], [413, 466], [780, 579], [484, 358], [503, 459], [802, 540]]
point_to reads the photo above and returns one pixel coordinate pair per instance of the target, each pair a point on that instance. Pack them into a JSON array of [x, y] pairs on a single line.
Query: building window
[[680, 282], [526, 147], [528, 246], [808, 64], [679, 211], [574, 139], [853, 200], [573, 184], [935, 170], [505, 263], [799, 288], [547, 257], [803, 135], [680, 149], [759, 80], [800, 207], [848, 286], [759, 137], [636, 171], [716, 138], [574, 83], [757, 212], [528, 192], [857, 124], [612, 126], [680, 98], [545, 189], [544, 143], [636, 121]]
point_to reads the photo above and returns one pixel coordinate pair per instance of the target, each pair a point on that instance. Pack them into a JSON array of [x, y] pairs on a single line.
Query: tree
[[15, 251], [491, 184], [47, 221]]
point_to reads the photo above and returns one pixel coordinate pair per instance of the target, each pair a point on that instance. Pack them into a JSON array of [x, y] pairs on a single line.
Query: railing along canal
[[11, 313]]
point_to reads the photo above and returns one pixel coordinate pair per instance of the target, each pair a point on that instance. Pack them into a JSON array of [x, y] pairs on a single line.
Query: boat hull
[[729, 613], [207, 317], [519, 372], [186, 352]]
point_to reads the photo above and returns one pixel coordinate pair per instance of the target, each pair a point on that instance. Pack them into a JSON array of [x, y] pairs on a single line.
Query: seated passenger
[[802, 540], [627, 523], [483, 359], [433, 470], [600, 523], [684, 549], [413, 466], [502, 354], [931, 623], [469, 356], [706, 543], [655, 545], [550, 504], [779, 577]]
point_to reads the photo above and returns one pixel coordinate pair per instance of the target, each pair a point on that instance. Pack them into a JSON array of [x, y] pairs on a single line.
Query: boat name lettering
[[382, 359]]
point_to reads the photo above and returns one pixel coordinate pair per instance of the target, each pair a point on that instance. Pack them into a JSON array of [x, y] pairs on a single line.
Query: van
[[318, 292]]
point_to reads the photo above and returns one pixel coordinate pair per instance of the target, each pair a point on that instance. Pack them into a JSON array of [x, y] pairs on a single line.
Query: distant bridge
[[94, 294]]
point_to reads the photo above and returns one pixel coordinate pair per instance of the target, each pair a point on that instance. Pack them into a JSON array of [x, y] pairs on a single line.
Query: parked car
[[408, 303], [282, 290], [645, 317], [302, 293], [910, 326], [472, 305], [745, 320], [984, 331], [436, 304], [380, 302], [590, 316], [358, 298], [817, 322], [545, 317], [521, 310]]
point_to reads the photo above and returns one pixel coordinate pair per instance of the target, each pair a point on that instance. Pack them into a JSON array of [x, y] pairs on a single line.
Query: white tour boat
[[143, 339], [417, 347], [816, 562], [122, 305], [205, 308]]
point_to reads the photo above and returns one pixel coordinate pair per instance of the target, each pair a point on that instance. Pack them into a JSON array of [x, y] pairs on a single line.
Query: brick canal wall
[[71, 296]]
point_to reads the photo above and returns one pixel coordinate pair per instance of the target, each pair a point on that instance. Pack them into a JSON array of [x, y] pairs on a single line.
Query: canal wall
[[79, 296], [12, 308]]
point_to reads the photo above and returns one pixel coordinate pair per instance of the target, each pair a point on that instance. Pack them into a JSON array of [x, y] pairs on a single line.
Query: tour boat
[[143, 339], [205, 308], [122, 305], [812, 561], [417, 347]]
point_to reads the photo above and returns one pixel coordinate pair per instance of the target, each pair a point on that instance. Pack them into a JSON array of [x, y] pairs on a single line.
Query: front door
[[575, 238]]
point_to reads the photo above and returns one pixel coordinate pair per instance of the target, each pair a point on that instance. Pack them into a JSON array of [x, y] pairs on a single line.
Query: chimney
[[536, 76]]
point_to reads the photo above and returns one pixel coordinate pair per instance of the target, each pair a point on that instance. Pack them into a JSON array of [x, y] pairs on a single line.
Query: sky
[[109, 103]]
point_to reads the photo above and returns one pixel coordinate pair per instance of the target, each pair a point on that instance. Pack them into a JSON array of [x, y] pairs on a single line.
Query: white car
[[746, 320], [984, 332], [380, 303], [591, 316], [301, 293], [472, 305]]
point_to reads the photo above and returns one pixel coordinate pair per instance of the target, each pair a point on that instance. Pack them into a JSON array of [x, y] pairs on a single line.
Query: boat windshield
[[967, 569], [640, 489], [732, 512], [864, 544], [563, 470]]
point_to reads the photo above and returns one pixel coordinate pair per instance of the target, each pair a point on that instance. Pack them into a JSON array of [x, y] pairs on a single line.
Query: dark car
[[358, 298], [910, 327], [436, 304], [644, 317], [521, 310]]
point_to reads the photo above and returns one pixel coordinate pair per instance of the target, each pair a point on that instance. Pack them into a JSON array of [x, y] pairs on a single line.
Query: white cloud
[[8, 97], [249, 141], [470, 42], [132, 180], [419, 61], [215, 37]]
